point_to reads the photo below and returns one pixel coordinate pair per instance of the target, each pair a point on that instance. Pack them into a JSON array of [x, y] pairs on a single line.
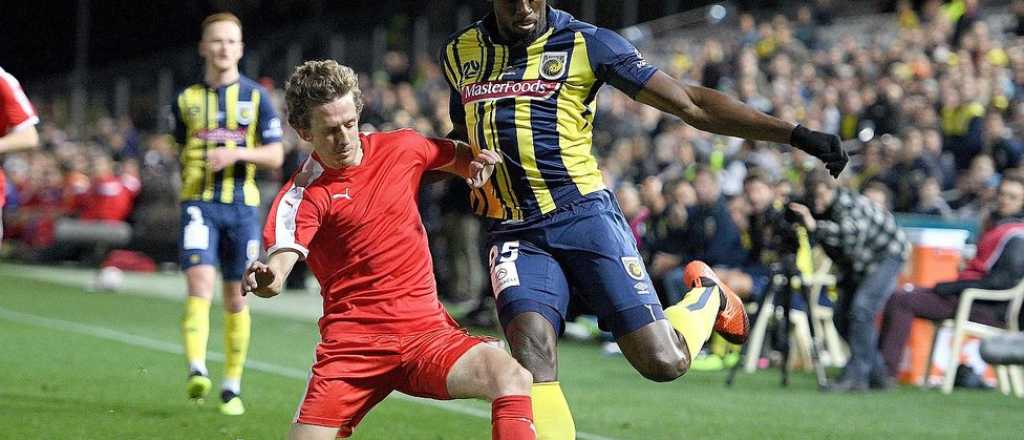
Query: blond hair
[[316, 83], [220, 16]]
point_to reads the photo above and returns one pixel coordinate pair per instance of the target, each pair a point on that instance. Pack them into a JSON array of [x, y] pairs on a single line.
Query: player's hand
[[221, 157], [481, 168], [258, 279], [824, 146]]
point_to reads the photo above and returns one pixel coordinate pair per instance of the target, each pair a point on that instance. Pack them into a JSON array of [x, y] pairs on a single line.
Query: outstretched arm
[[21, 139], [267, 279], [712, 111]]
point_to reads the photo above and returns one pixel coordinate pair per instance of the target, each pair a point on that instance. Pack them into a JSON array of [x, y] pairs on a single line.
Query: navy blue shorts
[[221, 234], [586, 246]]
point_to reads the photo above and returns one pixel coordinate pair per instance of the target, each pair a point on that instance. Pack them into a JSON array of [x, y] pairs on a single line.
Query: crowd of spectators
[[931, 102]]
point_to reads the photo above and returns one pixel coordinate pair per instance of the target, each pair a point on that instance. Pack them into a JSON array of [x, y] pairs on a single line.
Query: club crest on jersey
[[552, 65], [244, 115], [633, 267]]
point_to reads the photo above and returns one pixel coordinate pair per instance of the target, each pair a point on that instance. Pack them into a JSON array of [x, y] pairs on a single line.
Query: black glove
[[824, 146]]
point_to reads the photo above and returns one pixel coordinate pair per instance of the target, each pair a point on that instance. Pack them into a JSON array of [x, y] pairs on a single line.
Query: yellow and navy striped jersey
[[237, 115], [535, 103]]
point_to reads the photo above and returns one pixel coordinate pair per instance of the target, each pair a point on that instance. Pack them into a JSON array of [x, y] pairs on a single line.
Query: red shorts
[[353, 374]]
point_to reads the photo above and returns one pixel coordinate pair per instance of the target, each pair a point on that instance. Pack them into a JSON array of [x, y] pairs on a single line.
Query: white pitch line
[[266, 367]]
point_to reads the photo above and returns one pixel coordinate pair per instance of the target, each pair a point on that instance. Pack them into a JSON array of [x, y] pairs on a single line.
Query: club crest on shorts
[[552, 65], [634, 268]]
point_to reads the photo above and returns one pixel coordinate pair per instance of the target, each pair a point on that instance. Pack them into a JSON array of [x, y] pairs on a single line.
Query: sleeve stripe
[[25, 124], [19, 94], [449, 72], [288, 210], [1001, 246]]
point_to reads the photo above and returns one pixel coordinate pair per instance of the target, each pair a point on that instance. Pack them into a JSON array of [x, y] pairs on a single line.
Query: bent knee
[[505, 377], [665, 368], [513, 381], [532, 341]]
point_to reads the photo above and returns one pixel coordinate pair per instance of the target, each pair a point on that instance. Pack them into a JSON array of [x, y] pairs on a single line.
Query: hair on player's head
[[316, 83]]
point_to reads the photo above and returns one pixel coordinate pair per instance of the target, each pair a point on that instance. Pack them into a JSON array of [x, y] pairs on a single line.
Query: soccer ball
[[109, 279]]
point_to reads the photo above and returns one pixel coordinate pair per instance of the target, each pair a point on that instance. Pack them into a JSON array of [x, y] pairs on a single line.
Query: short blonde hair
[[316, 83], [220, 16]]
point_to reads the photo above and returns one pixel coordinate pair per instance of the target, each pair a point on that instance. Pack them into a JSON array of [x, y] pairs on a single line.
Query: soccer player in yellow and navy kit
[[524, 81], [225, 127]]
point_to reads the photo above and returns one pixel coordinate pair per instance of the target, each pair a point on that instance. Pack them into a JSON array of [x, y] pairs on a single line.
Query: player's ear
[[305, 134]]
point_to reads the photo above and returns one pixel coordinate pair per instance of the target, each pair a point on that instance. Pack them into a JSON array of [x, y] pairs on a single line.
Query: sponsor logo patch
[[221, 135], [470, 68], [493, 90]]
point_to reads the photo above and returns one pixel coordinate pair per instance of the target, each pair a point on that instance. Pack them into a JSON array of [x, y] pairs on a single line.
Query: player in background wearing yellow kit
[[225, 126]]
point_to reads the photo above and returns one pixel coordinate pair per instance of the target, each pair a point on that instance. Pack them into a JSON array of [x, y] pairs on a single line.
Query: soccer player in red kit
[[351, 212], [17, 123]]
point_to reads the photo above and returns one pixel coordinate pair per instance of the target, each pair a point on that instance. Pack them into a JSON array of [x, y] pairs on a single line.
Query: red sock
[[512, 418]]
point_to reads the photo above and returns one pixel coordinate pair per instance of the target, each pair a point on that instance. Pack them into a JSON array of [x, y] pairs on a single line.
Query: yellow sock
[[694, 316], [195, 327], [236, 344], [551, 414]]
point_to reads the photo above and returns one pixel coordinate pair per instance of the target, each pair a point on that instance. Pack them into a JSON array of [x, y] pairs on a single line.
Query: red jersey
[[359, 229], [109, 199], [16, 112], [15, 109]]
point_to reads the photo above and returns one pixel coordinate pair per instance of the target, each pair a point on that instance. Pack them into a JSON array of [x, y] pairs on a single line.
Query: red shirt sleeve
[[16, 108], [433, 153], [294, 219]]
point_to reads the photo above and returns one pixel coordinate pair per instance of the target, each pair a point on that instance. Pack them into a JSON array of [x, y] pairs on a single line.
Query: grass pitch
[[108, 366]]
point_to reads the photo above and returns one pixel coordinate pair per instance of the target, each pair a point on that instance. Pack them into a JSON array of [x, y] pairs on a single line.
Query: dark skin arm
[[715, 112], [712, 111]]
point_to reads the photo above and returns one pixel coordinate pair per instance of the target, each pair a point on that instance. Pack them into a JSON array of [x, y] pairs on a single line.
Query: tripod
[[786, 281]]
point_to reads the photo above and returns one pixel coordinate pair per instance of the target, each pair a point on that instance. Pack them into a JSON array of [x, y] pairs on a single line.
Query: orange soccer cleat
[[732, 322]]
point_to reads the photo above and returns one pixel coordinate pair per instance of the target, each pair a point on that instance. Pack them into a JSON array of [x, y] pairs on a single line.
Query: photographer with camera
[[768, 235], [869, 250]]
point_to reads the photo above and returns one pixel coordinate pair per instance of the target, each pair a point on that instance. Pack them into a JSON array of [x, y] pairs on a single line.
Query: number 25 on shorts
[[503, 266]]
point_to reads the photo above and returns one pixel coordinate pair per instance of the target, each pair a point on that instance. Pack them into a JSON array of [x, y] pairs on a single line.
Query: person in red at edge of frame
[[351, 212], [17, 124]]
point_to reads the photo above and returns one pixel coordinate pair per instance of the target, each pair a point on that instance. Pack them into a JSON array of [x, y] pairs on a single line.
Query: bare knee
[[510, 379], [234, 302], [302, 431], [532, 341], [666, 367], [657, 351], [200, 281]]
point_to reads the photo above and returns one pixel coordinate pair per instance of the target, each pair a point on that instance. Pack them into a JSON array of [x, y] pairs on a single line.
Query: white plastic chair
[[1011, 378]]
